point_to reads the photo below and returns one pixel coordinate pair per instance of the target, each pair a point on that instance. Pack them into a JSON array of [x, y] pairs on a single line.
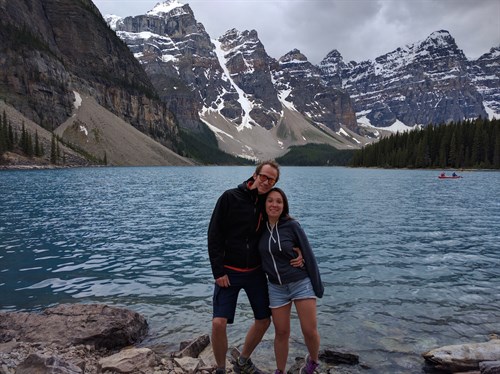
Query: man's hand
[[298, 261], [223, 281]]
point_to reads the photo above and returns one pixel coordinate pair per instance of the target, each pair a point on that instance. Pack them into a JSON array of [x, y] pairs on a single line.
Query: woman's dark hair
[[286, 209]]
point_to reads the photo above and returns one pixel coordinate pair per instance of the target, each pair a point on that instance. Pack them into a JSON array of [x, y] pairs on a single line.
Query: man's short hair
[[271, 163]]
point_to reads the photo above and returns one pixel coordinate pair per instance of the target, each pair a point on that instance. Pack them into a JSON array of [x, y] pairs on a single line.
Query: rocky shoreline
[[102, 339]]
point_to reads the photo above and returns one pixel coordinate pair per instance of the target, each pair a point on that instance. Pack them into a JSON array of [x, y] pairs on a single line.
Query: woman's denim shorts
[[283, 294]]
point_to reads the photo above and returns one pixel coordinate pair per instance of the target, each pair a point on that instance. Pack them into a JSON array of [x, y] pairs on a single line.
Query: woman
[[289, 284]]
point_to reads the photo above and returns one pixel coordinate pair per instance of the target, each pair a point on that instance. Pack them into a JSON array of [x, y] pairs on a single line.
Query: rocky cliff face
[[301, 85], [51, 48], [232, 84], [485, 74], [178, 56], [233, 80], [249, 67], [423, 83]]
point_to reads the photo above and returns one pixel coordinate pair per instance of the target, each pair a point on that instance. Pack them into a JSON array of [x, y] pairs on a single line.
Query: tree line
[[467, 144], [25, 142]]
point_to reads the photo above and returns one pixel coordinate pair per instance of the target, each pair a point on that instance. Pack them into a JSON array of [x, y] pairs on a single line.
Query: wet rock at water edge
[[463, 357]]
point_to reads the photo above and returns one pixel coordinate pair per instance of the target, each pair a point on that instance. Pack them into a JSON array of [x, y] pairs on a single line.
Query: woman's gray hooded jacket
[[276, 250]]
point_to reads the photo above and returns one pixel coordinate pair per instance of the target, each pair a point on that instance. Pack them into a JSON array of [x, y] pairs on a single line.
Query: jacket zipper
[[272, 256]]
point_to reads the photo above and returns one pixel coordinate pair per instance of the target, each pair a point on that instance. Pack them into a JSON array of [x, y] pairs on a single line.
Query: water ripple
[[409, 262]]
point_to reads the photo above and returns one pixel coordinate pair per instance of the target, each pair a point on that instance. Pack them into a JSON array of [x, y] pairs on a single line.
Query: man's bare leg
[[219, 341], [254, 336]]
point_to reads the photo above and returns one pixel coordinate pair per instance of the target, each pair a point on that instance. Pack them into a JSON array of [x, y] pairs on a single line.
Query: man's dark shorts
[[255, 285]]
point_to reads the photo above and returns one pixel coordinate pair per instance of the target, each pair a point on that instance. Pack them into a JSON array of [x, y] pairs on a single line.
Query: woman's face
[[274, 205]]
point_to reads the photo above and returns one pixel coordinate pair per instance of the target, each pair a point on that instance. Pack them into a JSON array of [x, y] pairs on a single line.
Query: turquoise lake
[[410, 262]]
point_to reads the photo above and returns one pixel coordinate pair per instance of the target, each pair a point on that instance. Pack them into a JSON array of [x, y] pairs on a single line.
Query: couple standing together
[[255, 245]]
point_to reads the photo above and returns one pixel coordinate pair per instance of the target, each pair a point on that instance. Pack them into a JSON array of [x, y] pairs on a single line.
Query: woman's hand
[[298, 261]]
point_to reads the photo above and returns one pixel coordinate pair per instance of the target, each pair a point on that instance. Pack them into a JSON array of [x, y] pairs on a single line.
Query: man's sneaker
[[246, 367], [220, 371], [278, 371], [309, 366]]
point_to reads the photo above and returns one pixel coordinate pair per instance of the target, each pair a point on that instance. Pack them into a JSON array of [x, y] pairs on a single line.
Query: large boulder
[[97, 325], [463, 357]]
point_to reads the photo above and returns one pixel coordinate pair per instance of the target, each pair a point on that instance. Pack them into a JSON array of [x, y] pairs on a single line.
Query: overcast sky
[[358, 29]]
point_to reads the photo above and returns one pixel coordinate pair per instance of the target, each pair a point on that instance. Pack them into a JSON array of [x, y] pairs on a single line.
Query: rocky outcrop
[[232, 77], [177, 54], [464, 357], [485, 73], [419, 84], [100, 326], [94, 339], [249, 67], [51, 48], [301, 85]]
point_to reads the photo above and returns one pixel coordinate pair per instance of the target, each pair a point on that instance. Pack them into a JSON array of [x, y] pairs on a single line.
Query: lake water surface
[[409, 262]]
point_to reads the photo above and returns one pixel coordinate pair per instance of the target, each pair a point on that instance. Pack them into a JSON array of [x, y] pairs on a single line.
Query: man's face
[[265, 180]]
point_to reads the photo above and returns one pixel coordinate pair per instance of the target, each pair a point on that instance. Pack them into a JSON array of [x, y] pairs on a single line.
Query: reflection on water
[[410, 262]]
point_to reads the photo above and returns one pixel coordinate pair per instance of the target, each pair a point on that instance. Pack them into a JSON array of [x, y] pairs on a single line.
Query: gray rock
[[98, 325], [463, 357], [40, 364], [337, 357], [489, 367], [193, 348], [134, 360], [189, 364]]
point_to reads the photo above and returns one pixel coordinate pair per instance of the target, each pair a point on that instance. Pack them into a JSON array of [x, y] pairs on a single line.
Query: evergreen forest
[[26, 143], [468, 144]]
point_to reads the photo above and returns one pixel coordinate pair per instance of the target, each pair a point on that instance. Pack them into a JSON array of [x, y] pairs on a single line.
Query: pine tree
[[476, 148], [452, 155], [4, 135], [29, 144], [38, 151], [58, 150], [53, 152], [23, 142], [496, 149]]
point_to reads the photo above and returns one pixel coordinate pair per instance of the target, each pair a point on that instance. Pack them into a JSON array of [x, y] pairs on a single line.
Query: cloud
[[358, 29]]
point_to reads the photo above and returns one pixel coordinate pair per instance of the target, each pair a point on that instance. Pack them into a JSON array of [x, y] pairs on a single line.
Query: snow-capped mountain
[[258, 106], [485, 73], [251, 102], [421, 83]]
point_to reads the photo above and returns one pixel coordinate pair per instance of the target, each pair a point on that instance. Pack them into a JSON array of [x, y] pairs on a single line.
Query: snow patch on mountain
[[162, 8], [78, 100], [112, 20], [246, 104], [492, 113], [397, 126]]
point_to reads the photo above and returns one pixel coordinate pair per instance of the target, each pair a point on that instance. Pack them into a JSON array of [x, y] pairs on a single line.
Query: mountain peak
[[441, 37], [333, 57], [164, 7], [294, 54]]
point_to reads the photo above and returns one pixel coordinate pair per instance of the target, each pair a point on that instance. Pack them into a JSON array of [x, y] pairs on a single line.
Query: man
[[233, 236]]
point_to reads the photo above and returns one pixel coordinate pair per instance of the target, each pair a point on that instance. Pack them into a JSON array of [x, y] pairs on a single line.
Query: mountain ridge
[[163, 74], [352, 104]]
